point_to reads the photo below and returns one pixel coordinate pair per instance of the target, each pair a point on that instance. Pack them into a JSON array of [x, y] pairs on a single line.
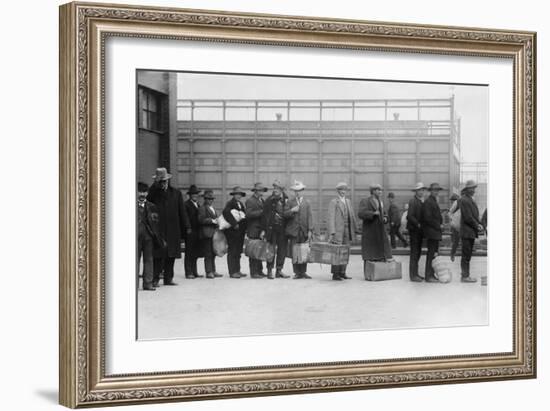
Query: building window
[[150, 109]]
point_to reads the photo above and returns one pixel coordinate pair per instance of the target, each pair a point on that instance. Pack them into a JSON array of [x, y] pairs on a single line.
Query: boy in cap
[[299, 226]]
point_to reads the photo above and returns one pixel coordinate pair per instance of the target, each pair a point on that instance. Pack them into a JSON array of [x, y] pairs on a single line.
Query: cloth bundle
[[219, 242], [442, 271], [237, 215]]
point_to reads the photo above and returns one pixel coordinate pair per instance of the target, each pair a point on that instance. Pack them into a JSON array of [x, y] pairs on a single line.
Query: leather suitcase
[[327, 253], [380, 270], [259, 250]]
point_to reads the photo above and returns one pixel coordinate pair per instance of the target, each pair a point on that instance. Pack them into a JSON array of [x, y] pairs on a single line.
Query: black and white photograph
[[269, 204]]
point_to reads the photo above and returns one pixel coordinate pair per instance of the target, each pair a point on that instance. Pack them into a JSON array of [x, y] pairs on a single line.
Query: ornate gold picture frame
[[84, 30]]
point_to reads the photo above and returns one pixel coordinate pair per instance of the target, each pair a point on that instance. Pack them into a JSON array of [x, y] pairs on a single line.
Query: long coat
[[206, 221], [299, 223], [374, 241], [469, 220], [394, 216], [238, 228], [254, 210], [172, 222], [336, 222], [414, 215], [273, 220], [431, 219]]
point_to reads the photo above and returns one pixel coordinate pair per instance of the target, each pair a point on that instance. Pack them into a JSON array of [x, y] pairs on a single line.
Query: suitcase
[[300, 253], [327, 253], [382, 270], [259, 250]]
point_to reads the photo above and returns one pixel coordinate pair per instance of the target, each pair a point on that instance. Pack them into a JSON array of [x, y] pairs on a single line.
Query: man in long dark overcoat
[[235, 233], [254, 228], [192, 242], [172, 225], [431, 229], [414, 227], [470, 226], [375, 245]]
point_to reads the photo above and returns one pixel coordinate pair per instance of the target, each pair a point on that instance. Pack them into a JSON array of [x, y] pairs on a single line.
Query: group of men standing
[[165, 220]]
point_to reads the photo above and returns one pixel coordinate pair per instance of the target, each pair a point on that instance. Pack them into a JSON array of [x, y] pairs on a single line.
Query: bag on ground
[[382, 270], [328, 253], [259, 250], [219, 242], [442, 270], [300, 253]]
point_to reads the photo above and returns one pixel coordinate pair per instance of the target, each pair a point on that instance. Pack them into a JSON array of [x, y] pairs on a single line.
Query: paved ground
[[231, 307]]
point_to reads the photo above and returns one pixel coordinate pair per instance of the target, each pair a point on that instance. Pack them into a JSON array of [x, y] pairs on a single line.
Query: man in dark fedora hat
[[172, 225], [470, 227], [235, 233], [254, 228], [274, 225], [192, 243], [208, 221], [414, 227], [431, 228]]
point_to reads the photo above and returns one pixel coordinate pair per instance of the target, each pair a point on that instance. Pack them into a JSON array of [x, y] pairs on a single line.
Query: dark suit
[[172, 225], [274, 223], [431, 228], [469, 223], [414, 227], [254, 211], [298, 226], [192, 241], [235, 236], [206, 232], [147, 215]]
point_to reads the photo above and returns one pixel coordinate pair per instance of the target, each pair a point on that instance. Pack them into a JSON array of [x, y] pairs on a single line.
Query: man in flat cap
[[414, 227], [375, 245], [192, 243], [235, 233], [274, 224], [431, 221], [172, 225], [208, 222], [470, 227], [342, 226], [299, 225], [394, 220], [254, 228]]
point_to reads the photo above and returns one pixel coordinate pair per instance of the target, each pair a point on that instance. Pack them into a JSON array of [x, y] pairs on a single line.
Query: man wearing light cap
[[342, 226], [299, 226], [414, 227]]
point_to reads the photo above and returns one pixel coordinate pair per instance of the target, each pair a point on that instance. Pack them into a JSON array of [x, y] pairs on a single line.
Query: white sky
[[471, 102]]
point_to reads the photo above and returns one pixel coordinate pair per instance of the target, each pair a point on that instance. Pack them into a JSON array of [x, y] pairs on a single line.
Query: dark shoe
[[149, 288], [262, 274], [170, 283], [297, 277], [432, 280], [210, 276], [155, 284], [416, 279], [307, 277], [270, 276], [468, 280], [336, 277], [190, 277], [242, 274], [256, 276], [198, 276], [345, 277], [217, 275], [236, 275]]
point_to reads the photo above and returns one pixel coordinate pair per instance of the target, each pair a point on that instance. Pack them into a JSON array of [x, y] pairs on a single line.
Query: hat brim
[[436, 189], [263, 189], [238, 192], [167, 177], [194, 192], [298, 188], [465, 188], [419, 188]]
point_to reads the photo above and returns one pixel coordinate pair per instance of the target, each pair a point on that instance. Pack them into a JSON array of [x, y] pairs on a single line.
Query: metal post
[[256, 172], [224, 155]]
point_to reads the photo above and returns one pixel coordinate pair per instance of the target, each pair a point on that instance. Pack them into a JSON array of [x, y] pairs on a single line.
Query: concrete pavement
[[232, 307]]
